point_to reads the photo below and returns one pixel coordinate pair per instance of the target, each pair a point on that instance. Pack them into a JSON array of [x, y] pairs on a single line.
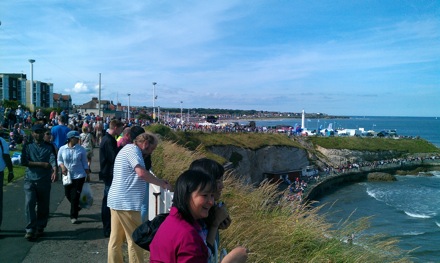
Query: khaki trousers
[[123, 223]]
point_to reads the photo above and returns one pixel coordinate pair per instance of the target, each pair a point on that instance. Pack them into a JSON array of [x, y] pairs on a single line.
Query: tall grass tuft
[[277, 230]]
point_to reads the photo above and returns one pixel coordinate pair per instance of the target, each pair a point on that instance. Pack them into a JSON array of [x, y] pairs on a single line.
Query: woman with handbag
[[72, 159]]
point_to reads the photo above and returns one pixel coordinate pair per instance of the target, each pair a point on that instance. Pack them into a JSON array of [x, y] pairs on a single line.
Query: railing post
[[156, 195]]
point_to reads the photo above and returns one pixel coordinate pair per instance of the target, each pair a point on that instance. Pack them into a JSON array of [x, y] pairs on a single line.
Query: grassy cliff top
[[411, 146], [194, 139]]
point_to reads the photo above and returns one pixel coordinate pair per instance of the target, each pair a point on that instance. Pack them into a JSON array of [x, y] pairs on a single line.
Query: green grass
[[18, 173], [18, 169], [411, 146], [194, 139]]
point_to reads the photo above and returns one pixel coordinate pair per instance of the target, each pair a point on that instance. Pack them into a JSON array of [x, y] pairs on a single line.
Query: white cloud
[[79, 87]]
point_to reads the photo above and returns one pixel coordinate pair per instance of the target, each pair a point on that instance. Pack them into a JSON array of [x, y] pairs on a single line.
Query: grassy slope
[[411, 146]]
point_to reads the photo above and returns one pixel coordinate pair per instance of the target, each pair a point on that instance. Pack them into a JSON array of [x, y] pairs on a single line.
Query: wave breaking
[[417, 215]]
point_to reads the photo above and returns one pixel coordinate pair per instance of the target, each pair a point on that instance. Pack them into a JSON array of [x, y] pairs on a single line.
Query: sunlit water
[[408, 209]]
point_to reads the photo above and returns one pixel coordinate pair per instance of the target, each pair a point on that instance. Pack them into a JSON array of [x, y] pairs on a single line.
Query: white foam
[[437, 223], [413, 233], [417, 215], [371, 193], [376, 194]]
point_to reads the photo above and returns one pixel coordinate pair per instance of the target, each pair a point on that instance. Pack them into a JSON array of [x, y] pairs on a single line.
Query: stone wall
[[250, 165]]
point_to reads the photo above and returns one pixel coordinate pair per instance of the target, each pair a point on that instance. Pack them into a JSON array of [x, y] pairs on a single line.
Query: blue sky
[[379, 58]]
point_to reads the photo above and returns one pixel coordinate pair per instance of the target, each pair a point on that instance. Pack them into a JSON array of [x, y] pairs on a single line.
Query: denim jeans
[[37, 192]]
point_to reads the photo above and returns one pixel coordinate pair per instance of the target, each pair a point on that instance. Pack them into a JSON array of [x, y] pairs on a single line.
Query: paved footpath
[[62, 241]]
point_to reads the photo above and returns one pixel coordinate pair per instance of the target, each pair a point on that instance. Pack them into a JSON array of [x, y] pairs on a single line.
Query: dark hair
[[188, 182], [115, 124], [135, 131], [215, 170], [208, 166]]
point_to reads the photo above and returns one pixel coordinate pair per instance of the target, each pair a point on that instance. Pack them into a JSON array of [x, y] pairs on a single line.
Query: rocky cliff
[[336, 157], [252, 164]]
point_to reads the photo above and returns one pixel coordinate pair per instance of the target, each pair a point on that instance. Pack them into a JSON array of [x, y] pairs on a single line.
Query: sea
[[408, 209]]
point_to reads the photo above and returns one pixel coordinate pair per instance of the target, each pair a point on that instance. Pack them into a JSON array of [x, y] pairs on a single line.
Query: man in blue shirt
[[40, 160], [59, 133]]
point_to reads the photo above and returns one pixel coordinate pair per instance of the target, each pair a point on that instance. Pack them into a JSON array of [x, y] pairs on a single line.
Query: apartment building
[[16, 87], [13, 87]]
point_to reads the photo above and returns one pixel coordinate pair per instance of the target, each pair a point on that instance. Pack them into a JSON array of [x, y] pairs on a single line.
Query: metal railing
[[159, 201]]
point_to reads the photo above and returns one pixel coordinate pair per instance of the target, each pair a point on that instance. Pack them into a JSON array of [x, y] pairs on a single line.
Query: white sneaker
[[73, 220]]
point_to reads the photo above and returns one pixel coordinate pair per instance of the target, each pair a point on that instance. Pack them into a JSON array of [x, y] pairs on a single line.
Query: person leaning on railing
[[127, 192]]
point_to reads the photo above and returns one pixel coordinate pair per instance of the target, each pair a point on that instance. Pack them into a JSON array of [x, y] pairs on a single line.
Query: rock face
[[251, 165], [381, 177], [336, 157]]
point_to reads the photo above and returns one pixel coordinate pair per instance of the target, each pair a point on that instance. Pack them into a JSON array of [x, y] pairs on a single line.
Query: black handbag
[[144, 234]]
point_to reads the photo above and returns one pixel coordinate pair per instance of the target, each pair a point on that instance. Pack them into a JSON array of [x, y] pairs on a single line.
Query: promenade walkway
[[62, 241]]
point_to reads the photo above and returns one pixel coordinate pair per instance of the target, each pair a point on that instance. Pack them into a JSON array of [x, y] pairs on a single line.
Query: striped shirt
[[128, 189]]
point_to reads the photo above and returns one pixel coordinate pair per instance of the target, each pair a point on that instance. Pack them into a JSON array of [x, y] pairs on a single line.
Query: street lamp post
[[128, 109], [158, 113], [181, 112], [31, 105], [154, 99]]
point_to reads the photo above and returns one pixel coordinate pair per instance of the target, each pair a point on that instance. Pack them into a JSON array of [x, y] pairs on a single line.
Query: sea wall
[[251, 165], [332, 183]]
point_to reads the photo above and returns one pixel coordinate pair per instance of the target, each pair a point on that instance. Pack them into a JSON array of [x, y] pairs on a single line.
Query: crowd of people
[[60, 147]]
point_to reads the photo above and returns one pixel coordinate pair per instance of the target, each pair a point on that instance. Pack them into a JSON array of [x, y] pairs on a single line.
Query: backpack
[[144, 234]]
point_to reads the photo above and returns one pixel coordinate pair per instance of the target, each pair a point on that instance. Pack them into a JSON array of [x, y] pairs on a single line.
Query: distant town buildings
[[13, 87], [16, 87], [92, 107], [62, 101]]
